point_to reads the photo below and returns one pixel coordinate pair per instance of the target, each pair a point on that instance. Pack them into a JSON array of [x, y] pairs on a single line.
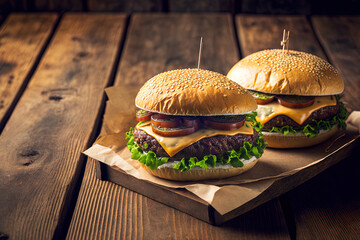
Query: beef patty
[[320, 114]]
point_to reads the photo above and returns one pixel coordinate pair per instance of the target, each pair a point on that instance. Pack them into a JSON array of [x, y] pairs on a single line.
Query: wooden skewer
[[285, 42], [199, 59], [288, 41]]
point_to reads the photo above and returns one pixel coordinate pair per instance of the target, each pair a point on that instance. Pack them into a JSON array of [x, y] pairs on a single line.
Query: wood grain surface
[[156, 43], [265, 32], [41, 145], [22, 40], [340, 38], [160, 42]]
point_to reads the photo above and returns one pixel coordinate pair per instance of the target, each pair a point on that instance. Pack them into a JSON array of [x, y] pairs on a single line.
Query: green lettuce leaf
[[251, 117]]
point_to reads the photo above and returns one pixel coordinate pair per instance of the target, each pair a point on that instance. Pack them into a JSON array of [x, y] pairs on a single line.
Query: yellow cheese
[[173, 145], [268, 111]]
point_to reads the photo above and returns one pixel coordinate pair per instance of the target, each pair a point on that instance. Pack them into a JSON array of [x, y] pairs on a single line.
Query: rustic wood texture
[[328, 205], [22, 40], [108, 211], [265, 32], [125, 5], [340, 38], [157, 43], [200, 6], [41, 145]]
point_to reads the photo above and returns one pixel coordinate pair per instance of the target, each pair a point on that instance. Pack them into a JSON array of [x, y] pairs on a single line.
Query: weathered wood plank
[[157, 43], [40, 148], [164, 43], [265, 32], [125, 6], [22, 40], [340, 37], [328, 205]]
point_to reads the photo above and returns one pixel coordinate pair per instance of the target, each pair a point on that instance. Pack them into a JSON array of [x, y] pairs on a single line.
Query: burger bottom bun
[[199, 174], [278, 140]]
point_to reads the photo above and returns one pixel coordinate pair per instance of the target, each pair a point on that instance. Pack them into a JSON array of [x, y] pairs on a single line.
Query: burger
[[195, 124], [298, 96]]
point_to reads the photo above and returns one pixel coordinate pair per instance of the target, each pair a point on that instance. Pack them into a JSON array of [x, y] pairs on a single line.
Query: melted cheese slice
[[173, 145], [299, 115]]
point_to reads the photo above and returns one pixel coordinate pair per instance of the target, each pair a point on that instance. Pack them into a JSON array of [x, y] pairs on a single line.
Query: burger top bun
[[287, 72], [194, 92]]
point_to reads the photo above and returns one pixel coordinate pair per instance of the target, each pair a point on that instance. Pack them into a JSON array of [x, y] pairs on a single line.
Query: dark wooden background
[[306, 7]]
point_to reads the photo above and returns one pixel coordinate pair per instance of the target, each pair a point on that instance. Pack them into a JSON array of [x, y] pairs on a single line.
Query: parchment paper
[[226, 194]]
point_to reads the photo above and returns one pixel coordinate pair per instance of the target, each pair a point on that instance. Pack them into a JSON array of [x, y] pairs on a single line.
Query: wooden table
[[53, 71]]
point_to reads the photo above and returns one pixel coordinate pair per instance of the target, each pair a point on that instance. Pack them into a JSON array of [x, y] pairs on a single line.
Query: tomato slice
[[164, 121], [262, 98], [296, 101], [225, 122], [264, 101], [142, 116], [173, 132]]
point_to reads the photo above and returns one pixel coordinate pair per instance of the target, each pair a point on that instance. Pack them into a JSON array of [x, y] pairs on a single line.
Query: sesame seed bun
[[278, 140], [195, 92], [287, 72], [199, 174]]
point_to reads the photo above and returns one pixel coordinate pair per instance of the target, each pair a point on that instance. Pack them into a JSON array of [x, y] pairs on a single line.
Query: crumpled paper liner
[[224, 195]]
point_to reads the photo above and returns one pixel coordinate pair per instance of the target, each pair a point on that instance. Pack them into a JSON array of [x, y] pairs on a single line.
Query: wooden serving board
[[188, 203]]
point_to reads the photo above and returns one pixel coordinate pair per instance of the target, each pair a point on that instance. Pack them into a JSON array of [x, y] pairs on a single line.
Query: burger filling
[[300, 114], [215, 145], [222, 147]]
